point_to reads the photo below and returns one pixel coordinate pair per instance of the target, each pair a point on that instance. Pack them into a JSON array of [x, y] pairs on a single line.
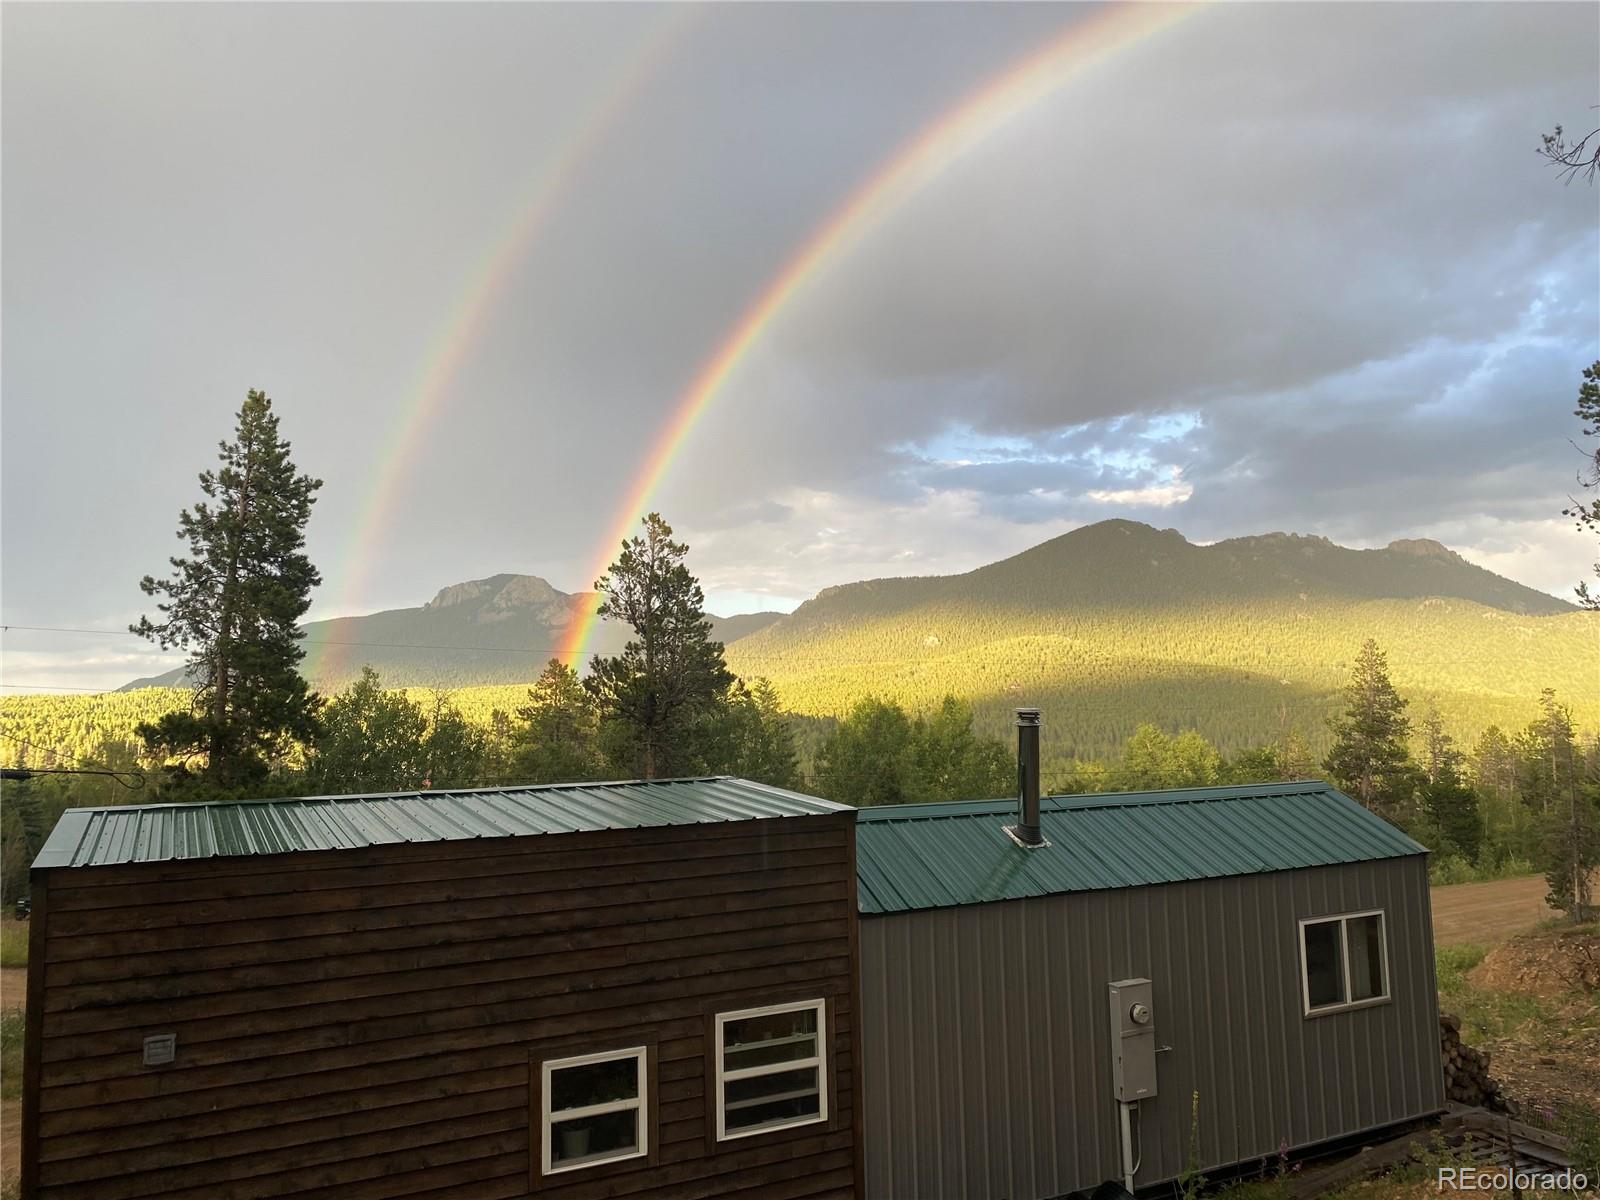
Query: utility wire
[[23, 774], [787, 659], [54, 687], [303, 641], [96, 768]]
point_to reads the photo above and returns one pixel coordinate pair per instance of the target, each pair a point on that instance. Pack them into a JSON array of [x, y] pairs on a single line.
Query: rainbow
[[475, 304], [912, 167]]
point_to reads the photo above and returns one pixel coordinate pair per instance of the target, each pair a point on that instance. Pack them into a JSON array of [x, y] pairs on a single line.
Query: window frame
[[721, 1076], [1347, 1004], [549, 1117]]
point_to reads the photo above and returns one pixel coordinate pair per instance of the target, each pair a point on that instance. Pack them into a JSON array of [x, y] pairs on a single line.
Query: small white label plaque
[[160, 1050]]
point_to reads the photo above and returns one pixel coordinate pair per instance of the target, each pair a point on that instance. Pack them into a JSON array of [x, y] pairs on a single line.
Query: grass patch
[[1452, 868], [1257, 1189], [1486, 1014], [11, 1024], [13, 943]]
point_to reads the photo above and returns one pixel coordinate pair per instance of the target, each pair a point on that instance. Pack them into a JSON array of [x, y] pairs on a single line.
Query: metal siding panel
[[1175, 1027], [1236, 1025], [964, 927], [962, 1104], [1078, 916], [953, 1167], [925, 1081]]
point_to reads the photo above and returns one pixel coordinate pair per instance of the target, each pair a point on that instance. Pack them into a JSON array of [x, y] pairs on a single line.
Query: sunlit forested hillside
[[1109, 627], [1119, 624]]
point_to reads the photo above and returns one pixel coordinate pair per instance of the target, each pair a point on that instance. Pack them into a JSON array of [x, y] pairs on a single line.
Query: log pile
[[1466, 1070]]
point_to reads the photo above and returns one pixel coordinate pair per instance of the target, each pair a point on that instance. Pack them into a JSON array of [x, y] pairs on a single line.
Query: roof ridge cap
[[412, 794]]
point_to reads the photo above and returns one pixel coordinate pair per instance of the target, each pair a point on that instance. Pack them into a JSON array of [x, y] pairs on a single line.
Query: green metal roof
[[95, 837], [938, 855]]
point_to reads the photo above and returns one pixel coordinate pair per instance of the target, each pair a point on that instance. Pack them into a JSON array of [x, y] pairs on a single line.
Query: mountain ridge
[[502, 628], [1118, 623], [446, 641], [1183, 571]]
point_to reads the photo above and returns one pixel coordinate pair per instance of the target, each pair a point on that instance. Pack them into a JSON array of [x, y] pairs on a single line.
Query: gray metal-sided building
[[1048, 1002]]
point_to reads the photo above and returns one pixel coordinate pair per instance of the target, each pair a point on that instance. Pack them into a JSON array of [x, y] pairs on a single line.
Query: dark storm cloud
[[1348, 264], [1280, 266]]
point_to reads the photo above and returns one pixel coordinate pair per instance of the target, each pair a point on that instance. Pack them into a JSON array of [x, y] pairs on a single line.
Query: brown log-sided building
[[617, 990]]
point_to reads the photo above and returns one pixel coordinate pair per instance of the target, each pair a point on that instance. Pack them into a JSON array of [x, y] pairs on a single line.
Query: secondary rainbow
[[912, 167], [475, 305]]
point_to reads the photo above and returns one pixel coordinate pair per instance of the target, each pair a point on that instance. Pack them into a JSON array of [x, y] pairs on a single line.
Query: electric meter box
[[1133, 1040]]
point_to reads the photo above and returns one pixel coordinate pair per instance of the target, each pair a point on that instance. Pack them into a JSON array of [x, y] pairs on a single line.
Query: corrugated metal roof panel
[[939, 855], [165, 832]]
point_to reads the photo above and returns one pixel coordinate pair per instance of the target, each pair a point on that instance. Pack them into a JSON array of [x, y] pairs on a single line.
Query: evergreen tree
[[373, 740], [1369, 757], [455, 752], [1493, 764], [1298, 761], [23, 829], [558, 737], [1547, 765], [235, 604], [1571, 846], [1587, 512], [1448, 802], [759, 737], [1440, 758], [670, 679]]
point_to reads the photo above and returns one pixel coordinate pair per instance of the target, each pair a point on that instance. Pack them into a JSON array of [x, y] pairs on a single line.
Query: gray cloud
[[1291, 265]]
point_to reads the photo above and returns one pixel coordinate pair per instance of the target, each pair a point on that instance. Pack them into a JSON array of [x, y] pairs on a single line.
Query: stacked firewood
[[1466, 1070]]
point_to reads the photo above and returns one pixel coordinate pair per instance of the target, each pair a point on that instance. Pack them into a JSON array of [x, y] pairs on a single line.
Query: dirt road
[[1488, 912]]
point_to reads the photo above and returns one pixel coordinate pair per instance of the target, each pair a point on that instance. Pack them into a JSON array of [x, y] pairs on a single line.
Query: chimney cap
[[1028, 716]]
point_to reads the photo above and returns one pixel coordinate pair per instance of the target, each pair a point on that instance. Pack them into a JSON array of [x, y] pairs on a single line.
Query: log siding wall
[[368, 1024]]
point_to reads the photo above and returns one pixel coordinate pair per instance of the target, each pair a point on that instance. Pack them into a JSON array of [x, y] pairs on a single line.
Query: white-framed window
[[771, 1068], [595, 1109], [1344, 961]]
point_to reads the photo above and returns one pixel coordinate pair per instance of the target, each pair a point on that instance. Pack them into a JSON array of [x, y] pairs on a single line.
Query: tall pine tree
[[235, 604], [756, 737], [1586, 512], [657, 695], [557, 740], [1370, 758], [1447, 799]]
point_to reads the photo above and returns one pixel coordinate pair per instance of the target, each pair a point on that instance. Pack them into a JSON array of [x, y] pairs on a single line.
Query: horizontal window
[[594, 1109], [770, 1069], [1344, 961]]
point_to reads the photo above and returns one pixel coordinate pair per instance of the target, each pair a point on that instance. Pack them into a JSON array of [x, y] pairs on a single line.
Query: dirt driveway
[[1484, 913]]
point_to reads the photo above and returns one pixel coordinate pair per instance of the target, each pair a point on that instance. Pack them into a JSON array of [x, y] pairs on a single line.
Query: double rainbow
[[486, 285], [916, 164]]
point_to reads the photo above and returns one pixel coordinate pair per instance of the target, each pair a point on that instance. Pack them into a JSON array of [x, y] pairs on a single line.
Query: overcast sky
[[1278, 267]]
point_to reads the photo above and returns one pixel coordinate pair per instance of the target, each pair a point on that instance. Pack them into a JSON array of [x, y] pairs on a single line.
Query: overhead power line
[[303, 641], [54, 687], [86, 766], [23, 774]]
